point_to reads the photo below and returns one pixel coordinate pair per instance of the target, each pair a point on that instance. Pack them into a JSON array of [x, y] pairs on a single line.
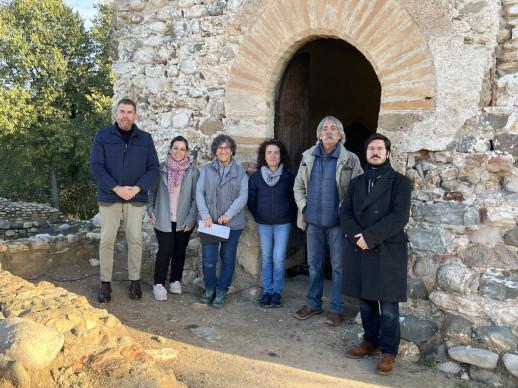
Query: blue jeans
[[210, 256], [381, 317], [318, 241], [274, 241]]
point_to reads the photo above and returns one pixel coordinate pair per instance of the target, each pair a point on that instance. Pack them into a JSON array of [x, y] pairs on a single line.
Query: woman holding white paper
[[221, 196], [172, 209]]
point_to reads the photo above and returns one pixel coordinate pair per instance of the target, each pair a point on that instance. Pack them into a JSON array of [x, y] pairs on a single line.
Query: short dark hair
[[377, 136], [127, 101], [261, 153], [223, 139], [179, 138]]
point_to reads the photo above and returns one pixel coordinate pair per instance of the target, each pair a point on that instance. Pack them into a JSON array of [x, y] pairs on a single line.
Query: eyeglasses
[[179, 149], [227, 148], [379, 149]]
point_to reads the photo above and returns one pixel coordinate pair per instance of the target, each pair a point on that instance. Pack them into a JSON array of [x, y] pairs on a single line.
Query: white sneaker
[[160, 292], [176, 288]]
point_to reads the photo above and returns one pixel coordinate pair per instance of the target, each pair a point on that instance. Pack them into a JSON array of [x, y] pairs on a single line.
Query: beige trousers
[[111, 216]]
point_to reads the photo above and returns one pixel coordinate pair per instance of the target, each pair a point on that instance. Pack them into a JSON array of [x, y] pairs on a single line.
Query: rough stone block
[[495, 121], [497, 337], [472, 144], [511, 363], [416, 329], [34, 345], [458, 328], [426, 240], [502, 218], [507, 143], [450, 213], [416, 289], [486, 235], [500, 164], [5, 224], [481, 256], [474, 305], [511, 183], [474, 356], [455, 277], [511, 237], [498, 287]]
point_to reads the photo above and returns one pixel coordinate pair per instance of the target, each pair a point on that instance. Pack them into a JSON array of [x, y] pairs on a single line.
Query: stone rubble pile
[[95, 349]]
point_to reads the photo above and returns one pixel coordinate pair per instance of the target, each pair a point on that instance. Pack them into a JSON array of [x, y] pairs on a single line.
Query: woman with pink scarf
[[173, 211]]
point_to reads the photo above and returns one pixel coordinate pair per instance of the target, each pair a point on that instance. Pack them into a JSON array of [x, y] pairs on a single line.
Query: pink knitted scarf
[[175, 171]]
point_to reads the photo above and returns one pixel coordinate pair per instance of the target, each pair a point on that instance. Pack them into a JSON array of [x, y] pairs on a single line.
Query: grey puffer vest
[[220, 194]]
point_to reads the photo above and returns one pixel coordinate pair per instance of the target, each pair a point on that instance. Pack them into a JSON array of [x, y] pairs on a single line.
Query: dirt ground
[[258, 347]]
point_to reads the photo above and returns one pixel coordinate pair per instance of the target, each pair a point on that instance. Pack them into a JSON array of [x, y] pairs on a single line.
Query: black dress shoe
[[135, 291], [106, 292]]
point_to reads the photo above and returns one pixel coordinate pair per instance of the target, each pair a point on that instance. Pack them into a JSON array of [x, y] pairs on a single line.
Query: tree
[[55, 91]]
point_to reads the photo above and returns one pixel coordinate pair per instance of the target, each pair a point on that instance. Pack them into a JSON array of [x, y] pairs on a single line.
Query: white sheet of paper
[[215, 230]]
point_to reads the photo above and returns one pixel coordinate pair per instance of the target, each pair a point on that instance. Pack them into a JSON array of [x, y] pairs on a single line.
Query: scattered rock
[[449, 367], [408, 351], [162, 354], [488, 377], [474, 356], [199, 306], [206, 333]]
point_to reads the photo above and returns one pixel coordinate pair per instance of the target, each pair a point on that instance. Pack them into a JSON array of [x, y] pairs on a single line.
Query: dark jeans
[[171, 249], [380, 322], [210, 255]]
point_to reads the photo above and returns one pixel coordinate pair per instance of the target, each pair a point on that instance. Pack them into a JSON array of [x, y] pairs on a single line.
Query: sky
[[85, 8]]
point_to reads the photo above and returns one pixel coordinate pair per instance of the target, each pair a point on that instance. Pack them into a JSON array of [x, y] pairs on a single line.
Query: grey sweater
[[158, 201]]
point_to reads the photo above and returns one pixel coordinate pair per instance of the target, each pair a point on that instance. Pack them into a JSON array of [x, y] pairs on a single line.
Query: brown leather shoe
[[334, 319], [306, 311], [386, 365], [135, 291], [105, 294], [363, 350]]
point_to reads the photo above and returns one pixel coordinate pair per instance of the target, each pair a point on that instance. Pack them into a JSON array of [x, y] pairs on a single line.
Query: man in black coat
[[373, 214]]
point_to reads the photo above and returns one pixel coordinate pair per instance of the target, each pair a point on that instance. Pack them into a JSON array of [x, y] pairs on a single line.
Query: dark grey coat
[[380, 272]]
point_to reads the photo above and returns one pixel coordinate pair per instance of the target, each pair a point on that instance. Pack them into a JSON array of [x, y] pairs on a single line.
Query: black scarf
[[373, 174]]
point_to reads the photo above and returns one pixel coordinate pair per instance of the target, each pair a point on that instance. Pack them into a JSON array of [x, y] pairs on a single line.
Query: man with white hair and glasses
[[322, 180]]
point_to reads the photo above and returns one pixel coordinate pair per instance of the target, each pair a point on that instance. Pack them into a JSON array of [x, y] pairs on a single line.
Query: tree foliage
[[55, 92]]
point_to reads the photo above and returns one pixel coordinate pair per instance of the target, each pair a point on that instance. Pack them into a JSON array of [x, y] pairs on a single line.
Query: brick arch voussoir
[[402, 60]]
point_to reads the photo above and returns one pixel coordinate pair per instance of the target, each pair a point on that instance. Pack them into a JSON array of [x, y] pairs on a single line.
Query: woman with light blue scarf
[[271, 202]]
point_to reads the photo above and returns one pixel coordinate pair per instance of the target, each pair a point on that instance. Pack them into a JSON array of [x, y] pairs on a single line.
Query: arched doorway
[[324, 77]]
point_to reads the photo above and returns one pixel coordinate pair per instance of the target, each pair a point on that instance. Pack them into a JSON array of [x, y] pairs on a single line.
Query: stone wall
[[449, 77], [25, 219]]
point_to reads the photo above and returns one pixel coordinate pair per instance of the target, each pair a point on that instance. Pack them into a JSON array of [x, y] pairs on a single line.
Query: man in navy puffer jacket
[[124, 164]]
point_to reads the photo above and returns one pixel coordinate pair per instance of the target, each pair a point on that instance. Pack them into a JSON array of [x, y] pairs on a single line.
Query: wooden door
[[291, 127]]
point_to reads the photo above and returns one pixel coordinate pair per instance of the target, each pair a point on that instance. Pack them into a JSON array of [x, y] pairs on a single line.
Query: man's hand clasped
[[126, 192]]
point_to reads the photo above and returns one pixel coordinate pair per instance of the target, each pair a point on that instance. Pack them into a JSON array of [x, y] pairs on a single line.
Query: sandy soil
[[257, 347]]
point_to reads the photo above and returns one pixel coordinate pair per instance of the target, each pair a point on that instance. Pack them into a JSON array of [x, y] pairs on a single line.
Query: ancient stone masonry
[[95, 348], [25, 219], [448, 72]]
